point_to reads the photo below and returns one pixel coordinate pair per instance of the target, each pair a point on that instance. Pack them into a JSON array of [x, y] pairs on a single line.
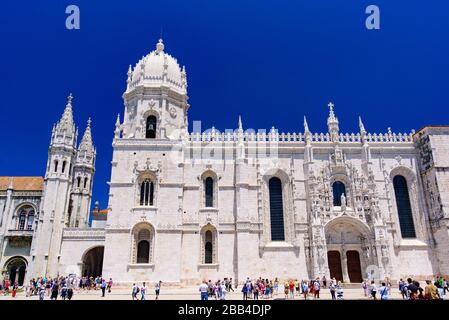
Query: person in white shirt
[[223, 291], [204, 289]]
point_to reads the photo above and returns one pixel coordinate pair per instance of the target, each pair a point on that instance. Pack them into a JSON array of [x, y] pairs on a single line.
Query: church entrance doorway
[[93, 262], [354, 267], [334, 261], [16, 269]]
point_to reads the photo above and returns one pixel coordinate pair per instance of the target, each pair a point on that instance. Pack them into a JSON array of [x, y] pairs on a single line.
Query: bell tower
[[55, 202], [156, 98]]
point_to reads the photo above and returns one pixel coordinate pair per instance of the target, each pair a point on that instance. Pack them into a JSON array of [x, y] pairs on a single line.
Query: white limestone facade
[[186, 206]]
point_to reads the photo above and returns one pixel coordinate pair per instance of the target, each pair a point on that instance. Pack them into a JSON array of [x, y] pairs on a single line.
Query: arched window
[[209, 192], [276, 210], [146, 193], [26, 218], [85, 182], [208, 247], [404, 207], [63, 166], [338, 188], [56, 165], [151, 127], [78, 182], [142, 245]]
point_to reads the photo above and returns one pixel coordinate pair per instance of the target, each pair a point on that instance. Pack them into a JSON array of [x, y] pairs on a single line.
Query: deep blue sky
[[270, 61]]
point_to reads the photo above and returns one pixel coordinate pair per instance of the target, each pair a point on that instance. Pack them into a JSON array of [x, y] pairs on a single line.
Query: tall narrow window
[[276, 210], [338, 188], [209, 192], [78, 182], [22, 219], [143, 252], [56, 165], [404, 207], [208, 248], [151, 127], [147, 193], [85, 183], [30, 220], [63, 166], [143, 246]]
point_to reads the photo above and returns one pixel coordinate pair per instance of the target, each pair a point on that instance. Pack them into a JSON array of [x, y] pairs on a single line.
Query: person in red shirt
[[292, 289]]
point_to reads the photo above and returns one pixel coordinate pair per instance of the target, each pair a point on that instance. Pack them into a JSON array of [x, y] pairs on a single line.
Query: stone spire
[[117, 127], [332, 123], [240, 124], [66, 123], [306, 126], [361, 126], [362, 131], [86, 142]]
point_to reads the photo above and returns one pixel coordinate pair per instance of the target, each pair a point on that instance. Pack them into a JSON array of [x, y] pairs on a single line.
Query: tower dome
[[156, 69]]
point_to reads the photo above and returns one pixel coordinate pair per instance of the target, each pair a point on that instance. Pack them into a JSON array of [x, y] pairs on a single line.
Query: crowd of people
[[410, 289], [63, 287], [267, 289], [136, 289]]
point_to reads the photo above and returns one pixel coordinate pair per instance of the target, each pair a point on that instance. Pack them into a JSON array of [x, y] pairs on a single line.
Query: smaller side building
[[20, 199]]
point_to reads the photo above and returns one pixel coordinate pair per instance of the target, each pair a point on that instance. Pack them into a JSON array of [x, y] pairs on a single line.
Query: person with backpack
[[384, 291], [64, 292]]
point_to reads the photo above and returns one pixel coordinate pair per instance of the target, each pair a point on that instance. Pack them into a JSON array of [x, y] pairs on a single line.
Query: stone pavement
[[192, 293]]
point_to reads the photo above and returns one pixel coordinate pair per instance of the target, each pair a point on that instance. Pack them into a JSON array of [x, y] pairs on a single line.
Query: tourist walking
[[135, 291], [324, 281], [14, 289], [64, 292], [384, 291], [143, 291], [42, 292], [305, 289], [245, 292], [373, 290], [223, 291], [103, 287], [109, 285], [332, 289], [431, 291], [316, 288], [157, 289], [54, 291], [70, 293], [339, 291], [204, 290], [292, 289]]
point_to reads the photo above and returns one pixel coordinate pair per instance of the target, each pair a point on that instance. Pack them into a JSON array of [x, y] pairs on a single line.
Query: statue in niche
[[343, 202]]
